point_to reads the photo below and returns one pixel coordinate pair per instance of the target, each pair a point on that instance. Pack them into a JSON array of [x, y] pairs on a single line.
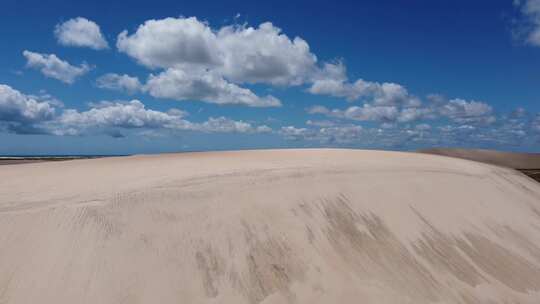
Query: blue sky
[[104, 77]]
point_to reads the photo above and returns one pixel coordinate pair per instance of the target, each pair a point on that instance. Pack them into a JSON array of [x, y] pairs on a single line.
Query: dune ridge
[[269, 226]]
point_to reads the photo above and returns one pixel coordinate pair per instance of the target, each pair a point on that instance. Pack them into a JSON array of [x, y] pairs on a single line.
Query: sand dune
[[283, 226], [505, 159]]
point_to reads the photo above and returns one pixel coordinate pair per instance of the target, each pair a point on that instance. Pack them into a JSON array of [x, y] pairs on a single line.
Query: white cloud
[[340, 134], [226, 125], [80, 32], [193, 53], [52, 66], [332, 80], [328, 135], [382, 94], [43, 96], [171, 42], [205, 86], [507, 130], [414, 114], [113, 117], [463, 111], [118, 82], [335, 134], [294, 133], [22, 113], [460, 110], [502, 134], [530, 10], [263, 129], [368, 112], [241, 54], [320, 123], [205, 64], [264, 55], [354, 135], [127, 115], [25, 114], [457, 110], [18, 107], [318, 109], [198, 62], [195, 84]]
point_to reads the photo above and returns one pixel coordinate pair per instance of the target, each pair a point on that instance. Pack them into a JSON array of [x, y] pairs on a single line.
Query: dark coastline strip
[[19, 161], [39, 159], [532, 173]]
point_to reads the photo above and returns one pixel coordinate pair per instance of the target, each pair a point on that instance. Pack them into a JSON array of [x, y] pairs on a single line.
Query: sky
[[105, 77]]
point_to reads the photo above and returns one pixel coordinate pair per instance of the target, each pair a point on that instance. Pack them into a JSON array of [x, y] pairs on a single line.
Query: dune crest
[[274, 226]]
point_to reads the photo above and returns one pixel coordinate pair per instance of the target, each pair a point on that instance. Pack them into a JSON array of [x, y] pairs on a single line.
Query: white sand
[[289, 226]]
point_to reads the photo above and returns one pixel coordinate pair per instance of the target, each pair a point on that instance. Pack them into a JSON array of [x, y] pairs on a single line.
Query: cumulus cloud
[[318, 109], [226, 125], [358, 136], [192, 52], [112, 118], [203, 85], [332, 80], [23, 114], [340, 134], [196, 84], [205, 64], [334, 134], [382, 94], [80, 32], [20, 113], [368, 112], [463, 111], [52, 66], [416, 113], [193, 61], [469, 123], [171, 42], [239, 53], [124, 83], [127, 115], [320, 123], [294, 133], [18, 107], [264, 55], [530, 27], [457, 110]]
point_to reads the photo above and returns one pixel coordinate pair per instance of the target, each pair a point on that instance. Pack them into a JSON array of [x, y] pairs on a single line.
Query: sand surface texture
[[283, 226]]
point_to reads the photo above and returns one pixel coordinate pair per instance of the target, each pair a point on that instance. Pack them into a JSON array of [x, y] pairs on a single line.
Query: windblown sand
[[283, 226]]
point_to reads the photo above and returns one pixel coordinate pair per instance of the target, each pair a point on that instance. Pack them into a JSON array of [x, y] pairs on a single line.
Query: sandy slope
[[304, 226], [505, 159]]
